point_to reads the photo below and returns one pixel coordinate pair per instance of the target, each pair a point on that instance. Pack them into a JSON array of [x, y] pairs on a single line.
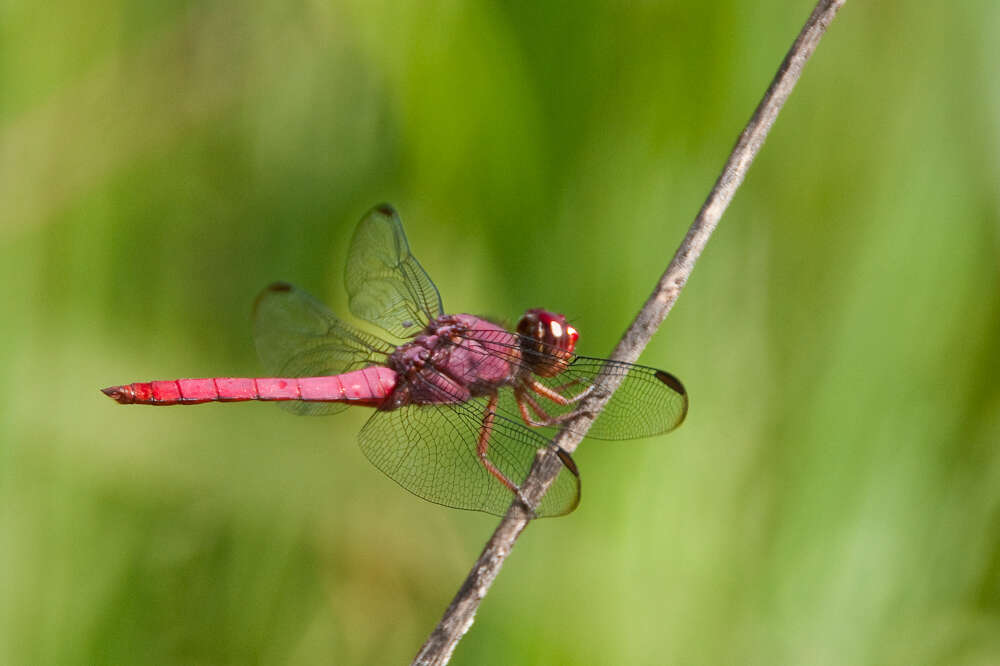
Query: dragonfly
[[462, 405]]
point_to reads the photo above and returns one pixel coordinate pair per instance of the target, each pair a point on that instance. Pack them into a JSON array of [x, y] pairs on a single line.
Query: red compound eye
[[573, 336], [548, 341]]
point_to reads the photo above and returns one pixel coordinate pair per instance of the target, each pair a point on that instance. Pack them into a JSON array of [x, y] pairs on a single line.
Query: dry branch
[[461, 612]]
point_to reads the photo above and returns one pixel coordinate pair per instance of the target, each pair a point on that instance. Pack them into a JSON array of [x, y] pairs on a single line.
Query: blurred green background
[[834, 496]]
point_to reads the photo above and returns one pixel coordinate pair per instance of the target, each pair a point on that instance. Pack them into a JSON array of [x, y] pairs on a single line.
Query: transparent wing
[[385, 283], [431, 451], [648, 401], [297, 336]]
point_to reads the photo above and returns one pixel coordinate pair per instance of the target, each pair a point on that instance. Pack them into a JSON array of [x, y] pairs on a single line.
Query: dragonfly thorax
[[547, 341], [457, 357]]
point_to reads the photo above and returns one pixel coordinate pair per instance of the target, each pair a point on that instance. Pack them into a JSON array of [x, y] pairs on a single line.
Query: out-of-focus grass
[[833, 497]]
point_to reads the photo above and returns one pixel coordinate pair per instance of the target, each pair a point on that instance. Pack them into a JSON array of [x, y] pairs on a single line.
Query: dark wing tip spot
[[671, 381], [385, 209], [568, 461], [676, 385], [275, 288]]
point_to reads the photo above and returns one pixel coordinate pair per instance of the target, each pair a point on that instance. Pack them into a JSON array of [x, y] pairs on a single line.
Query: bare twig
[[461, 613]]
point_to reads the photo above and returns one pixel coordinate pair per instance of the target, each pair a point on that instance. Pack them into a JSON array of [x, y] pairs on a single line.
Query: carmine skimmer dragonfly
[[461, 405]]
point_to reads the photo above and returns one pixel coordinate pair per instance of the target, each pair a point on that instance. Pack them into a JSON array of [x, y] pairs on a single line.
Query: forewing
[[648, 402], [431, 451], [385, 283], [297, 336]]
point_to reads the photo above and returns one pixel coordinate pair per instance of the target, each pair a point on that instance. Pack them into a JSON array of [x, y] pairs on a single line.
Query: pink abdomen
[[368, 386]]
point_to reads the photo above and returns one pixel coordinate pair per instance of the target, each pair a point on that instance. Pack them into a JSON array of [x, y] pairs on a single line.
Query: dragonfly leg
[[555, 396], [482, 447], [526, 402]]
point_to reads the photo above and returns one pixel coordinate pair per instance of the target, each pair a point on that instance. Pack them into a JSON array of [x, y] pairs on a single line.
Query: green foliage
[[833, 497]]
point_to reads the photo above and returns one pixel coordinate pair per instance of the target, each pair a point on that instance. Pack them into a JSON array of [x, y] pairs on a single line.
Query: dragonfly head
[[547, 341]]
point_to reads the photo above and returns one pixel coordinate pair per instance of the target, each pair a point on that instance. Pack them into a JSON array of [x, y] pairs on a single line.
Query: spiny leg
[[483, 445], [526, 402], [554, 396]]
